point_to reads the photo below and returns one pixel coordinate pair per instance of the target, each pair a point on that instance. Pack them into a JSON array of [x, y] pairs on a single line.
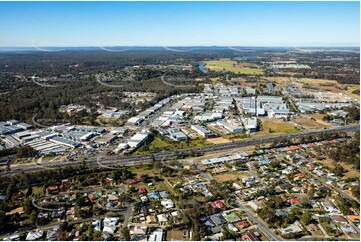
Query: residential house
[[250, 236]]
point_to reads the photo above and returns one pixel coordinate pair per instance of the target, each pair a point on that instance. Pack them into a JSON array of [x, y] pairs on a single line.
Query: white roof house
[[138, 230], [157, 235], [109, 229], [253, 205], [293, 228], [97, 225], [167, 203], [162, 218], [35, 235]]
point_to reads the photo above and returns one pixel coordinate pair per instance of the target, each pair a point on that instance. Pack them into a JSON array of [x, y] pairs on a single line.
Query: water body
[[201, 68]]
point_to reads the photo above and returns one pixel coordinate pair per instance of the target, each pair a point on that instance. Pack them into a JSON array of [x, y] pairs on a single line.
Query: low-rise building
[[296, 227], [230, 127], [202, 131], [251, 124], [138, 140]]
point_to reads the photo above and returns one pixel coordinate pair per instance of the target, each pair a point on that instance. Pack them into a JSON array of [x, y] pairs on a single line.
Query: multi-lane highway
[[130, 160]]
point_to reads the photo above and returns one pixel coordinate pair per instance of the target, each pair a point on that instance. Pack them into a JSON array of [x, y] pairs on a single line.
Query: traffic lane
[[147, 157]]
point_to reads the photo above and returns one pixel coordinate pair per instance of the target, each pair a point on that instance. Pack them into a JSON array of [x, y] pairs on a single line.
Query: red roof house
[[294, 201], [242, 224], [142, 190], [217, 205], [250, 236]]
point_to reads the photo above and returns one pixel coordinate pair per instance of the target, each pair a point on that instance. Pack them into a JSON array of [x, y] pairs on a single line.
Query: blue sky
[[179, 23]]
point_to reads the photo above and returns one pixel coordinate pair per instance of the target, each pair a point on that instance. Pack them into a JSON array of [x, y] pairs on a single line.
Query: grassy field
[[194, 143], [157, 145], [236, 136], [276, 127], [224, 65], [317, 81], [231, 176], [351, 88], [37, 191], [109, 121], [175, 235], [311, 123]]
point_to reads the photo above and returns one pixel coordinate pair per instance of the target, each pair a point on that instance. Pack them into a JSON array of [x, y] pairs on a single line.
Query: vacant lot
[[225, 65], [157, 145], [321, 84], [195, 143], [308, 122], [219, 140], [175, 235], [236, 136], [270, 126], [318, 81], [232, 176]]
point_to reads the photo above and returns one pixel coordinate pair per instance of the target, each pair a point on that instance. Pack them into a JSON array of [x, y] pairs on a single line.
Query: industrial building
[[230, 127], [208, 117], [203, 131], [222, 159], [138, 140], [66, 142], [177, 135], [251, 124]]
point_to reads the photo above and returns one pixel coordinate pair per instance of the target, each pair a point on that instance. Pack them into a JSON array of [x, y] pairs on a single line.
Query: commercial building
[[177, 135], [208, 117], [66, 142], [279, 113], [135, 120], [202, 131], [24, 126], [138, 140], [114, 114], [339, 113], [105, 139], [250, 124], [118, 130], [230, 127], [223, 159]]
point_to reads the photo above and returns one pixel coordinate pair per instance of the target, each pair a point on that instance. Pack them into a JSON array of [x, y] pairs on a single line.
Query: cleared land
[[321, 84], [157, 145], [311, 122], [225, 65], [232, 176], [236, 136], [275, 127], [175, 235], [219, 140]]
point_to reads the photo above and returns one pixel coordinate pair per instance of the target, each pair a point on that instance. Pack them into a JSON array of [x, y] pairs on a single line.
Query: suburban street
[[258, 222]]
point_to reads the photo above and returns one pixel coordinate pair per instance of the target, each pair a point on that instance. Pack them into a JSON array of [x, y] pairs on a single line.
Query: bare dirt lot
[[219, 140]]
